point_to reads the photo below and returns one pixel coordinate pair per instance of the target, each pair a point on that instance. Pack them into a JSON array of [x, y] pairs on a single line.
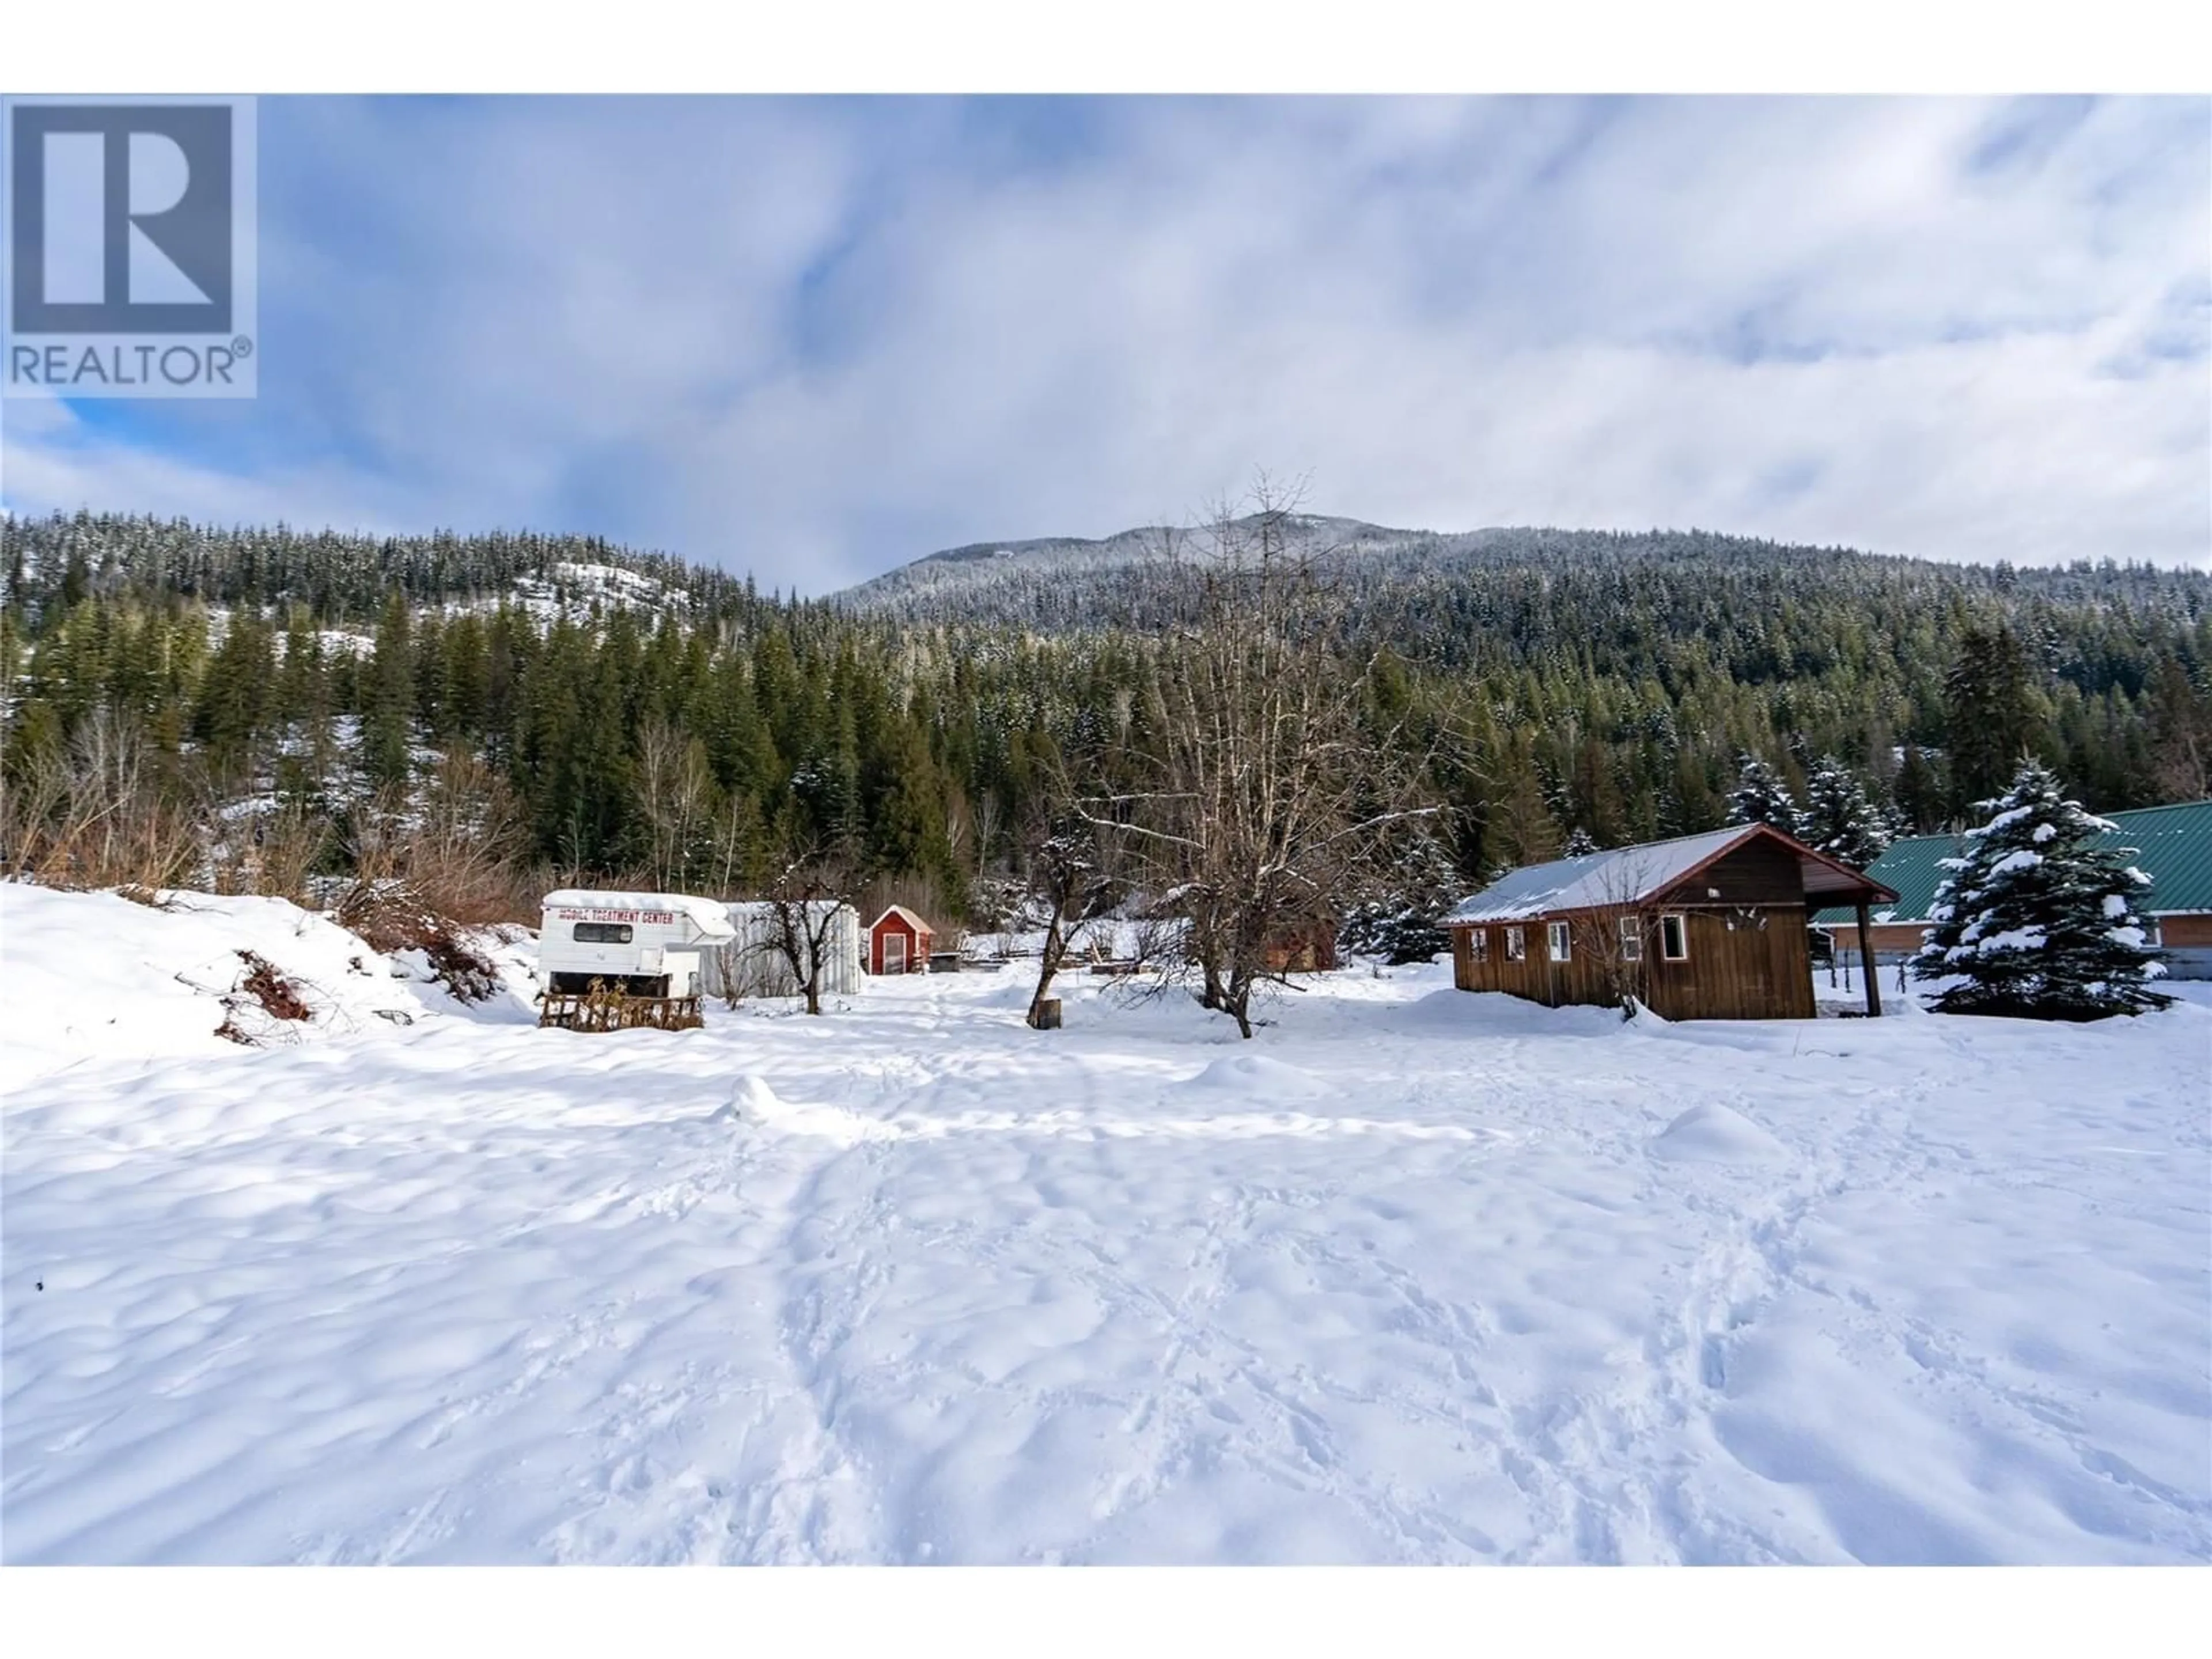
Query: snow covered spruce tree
[[1761, 797], [2034, 920], [1404, 922], [1839, 819]]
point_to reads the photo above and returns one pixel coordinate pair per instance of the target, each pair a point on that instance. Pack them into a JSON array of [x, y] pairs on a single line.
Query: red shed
[[898, 943]]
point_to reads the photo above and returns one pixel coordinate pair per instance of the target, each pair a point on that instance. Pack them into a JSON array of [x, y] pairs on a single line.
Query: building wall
[[2185, 944], [1744, 924], [917, 945], [1584, 977], [1310, 948], [1761, 871], [1744, 963], [2185, 932], [754, 965], [1755, 966]]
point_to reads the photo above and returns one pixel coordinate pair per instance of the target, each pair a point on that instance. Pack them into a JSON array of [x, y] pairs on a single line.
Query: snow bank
[[97, 977], [1710, 1132], [1254, 1077]]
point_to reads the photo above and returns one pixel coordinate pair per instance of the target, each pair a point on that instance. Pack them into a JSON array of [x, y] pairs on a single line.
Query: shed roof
[[1631, 875], [904, 916], [709, 917], [2172, 845]]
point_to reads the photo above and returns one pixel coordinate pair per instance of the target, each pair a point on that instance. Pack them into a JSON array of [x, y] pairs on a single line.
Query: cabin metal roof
[[2172, 845], [1632, 875]]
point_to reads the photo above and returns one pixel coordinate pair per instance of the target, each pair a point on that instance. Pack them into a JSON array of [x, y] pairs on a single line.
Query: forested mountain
[[337, 577], [645, 718]]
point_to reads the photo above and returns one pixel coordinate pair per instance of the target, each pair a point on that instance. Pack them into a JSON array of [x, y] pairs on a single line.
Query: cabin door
[[895, 953]]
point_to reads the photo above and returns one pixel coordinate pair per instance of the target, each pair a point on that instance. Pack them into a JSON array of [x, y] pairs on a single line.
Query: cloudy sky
[[814, 338]]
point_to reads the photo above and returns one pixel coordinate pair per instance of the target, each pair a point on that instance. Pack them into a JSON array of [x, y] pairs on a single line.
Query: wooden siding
[[1888, 936], [1761, 871], [1755, 967], [2185, 933], [1307, 949], [917, 939], [1748, 954]]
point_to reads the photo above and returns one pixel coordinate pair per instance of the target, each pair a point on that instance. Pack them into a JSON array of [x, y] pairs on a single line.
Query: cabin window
[[1561, 950], [601, 932], [1674, 938], [1515, 948], [1478, 944], [1631, 938]]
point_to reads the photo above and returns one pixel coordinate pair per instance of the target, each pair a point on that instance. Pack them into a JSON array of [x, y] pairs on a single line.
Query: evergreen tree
[[388, 696], [1406, 924], [1990, 713], [2034, 920], [2181, 735], [1761, 797], [1922, 800], [1839, 819], [1579, 844]]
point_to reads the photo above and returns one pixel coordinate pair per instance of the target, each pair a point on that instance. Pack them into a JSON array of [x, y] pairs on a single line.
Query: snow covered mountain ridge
[[1417, 579]]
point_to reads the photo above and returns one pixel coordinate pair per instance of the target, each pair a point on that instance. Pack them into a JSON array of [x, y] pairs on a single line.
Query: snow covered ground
[[1414, 1276]]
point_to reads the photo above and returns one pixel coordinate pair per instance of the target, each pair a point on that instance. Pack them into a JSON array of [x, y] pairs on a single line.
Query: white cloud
[[815, 339]]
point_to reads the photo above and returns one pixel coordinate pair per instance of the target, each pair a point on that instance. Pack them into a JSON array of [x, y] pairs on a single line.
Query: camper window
[[601, 932]]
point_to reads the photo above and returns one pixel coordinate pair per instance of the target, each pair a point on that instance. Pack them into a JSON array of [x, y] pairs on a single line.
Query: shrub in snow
[[392, 919], [1761, 797], [267, 989], [1581, 844], [2034, 920], [1839, 820]]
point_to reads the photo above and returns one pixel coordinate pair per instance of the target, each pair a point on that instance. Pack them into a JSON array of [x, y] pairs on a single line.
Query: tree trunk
[[1048, 961], [1237, 1002]]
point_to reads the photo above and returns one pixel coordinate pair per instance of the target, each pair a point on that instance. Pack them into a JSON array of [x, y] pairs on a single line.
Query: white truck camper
[[615, 959]]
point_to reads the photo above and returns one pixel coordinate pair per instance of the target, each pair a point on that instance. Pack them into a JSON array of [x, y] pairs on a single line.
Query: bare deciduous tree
[[98, 812], [1068, 878], [1616, 936], [675, 793], [1273, 790], [804, 900]]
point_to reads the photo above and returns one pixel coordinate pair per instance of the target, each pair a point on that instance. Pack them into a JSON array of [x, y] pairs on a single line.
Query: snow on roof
[[1619, 877], [904, 916], [1629, 875], [707, 916]]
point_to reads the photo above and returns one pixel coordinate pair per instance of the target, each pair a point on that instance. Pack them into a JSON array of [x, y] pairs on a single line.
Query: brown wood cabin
[[1307, 947], [1707, 926]]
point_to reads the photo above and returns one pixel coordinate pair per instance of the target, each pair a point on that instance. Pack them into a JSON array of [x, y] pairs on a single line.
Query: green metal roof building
[[2172, 845]]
